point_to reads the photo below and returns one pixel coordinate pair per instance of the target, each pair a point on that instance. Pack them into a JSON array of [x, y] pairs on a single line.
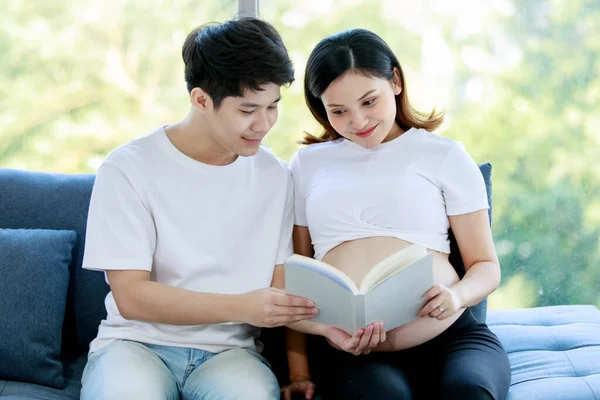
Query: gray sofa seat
[[554, 351], [73, 369]]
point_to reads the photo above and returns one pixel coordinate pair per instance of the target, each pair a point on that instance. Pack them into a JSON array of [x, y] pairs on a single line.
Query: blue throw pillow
[[34, 278]]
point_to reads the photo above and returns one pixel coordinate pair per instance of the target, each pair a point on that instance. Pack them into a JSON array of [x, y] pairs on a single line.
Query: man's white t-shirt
[[205, 228], [405, 188]]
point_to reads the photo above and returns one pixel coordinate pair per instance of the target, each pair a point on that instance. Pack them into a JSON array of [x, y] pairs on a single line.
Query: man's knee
[[253, 386], [102, 388], [127, 370], [234, 374]]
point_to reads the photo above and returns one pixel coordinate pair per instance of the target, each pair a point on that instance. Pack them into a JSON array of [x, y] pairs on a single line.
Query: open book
[[392, 291]]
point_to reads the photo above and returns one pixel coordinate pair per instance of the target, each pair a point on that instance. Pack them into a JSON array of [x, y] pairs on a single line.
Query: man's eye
[[247, 112]]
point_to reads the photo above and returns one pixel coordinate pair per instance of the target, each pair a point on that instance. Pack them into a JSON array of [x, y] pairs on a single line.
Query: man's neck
[[190, 138]]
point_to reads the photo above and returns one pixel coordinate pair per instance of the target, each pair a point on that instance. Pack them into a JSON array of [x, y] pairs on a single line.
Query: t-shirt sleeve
[[120, 232], [286, 248], [299, 200], [461, 182]]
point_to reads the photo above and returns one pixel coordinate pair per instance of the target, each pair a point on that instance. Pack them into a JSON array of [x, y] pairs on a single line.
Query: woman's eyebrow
[[362, 97]]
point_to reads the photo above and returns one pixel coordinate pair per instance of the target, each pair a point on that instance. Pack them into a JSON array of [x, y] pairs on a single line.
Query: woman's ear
[[396, 85]]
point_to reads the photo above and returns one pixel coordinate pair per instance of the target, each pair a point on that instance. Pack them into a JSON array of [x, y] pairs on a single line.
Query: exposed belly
[[356, 257]]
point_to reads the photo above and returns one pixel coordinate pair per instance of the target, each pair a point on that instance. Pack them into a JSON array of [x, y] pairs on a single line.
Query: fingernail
[[314, 310], [310, 304]]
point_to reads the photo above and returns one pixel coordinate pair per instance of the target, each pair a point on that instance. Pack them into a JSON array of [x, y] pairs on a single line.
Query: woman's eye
[[369, 102], [339, 112]]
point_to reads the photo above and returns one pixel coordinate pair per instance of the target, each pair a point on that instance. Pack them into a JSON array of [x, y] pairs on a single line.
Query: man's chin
[[249, 147], [248, 151]]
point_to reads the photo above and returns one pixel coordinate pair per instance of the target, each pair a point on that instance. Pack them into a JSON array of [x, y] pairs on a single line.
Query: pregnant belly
[[356, 257]]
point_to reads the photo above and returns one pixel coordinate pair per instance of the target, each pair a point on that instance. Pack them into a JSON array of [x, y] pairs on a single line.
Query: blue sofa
[[554, 351]]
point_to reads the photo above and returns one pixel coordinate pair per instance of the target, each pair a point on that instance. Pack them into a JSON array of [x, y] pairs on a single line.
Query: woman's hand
[[361, 342], [299, 384], [442, 302]]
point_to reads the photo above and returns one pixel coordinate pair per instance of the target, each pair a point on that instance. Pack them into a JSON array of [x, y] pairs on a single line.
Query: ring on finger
[[442, 309]]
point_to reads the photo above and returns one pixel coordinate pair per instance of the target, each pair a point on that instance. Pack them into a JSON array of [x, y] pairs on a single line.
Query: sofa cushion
[[554, 351], [59, 201], [73, 371], [34, 278]]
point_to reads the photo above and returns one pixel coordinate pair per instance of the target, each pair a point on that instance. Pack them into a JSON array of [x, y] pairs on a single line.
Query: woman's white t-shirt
[[213, 229], [405, 188]]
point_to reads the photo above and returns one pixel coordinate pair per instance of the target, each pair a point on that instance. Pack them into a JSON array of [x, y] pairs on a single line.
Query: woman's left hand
[[442, 302], [302, 385]]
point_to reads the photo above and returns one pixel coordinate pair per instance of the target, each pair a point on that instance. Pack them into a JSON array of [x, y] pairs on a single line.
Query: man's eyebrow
[[362, 97], [254, 105]]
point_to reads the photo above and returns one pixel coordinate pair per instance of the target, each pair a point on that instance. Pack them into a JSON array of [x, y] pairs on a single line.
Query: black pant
[[465, 362]]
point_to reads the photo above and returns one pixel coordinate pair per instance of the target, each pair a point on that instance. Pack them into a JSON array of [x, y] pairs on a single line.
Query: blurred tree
[[519, 81], [79, 78], [541, 135]]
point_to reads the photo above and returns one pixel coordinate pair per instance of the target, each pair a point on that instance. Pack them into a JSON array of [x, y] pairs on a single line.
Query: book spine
[[360, 311]]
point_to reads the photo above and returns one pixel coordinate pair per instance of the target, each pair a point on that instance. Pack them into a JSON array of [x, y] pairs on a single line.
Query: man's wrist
[[236, 308]]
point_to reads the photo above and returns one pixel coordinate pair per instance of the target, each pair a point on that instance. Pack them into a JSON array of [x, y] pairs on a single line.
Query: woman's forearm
[[296, 353], [479, 281]]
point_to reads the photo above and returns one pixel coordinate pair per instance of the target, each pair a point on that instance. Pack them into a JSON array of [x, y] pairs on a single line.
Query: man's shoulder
[[266, 158], [137, 150]]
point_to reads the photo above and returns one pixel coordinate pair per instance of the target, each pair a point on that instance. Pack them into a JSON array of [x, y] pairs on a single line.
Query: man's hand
[[271, 307], [361, 342], [301, 385]]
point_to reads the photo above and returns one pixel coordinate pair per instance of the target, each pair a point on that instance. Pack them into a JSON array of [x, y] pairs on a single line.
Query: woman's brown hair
[[361, 51]]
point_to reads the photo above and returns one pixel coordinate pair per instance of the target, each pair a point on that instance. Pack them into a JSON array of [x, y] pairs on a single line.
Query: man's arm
[[141, 299]]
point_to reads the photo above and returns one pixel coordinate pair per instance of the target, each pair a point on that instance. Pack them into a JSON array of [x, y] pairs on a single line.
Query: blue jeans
[[131, 370]]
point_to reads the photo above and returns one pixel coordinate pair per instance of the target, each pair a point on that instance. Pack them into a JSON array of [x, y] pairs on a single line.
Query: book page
[[397, 300], [388, 266], [324, 269], [336, 304]]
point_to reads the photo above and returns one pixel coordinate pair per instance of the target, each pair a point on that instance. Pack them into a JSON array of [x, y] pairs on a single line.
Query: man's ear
[[200, 100], [396, 85]]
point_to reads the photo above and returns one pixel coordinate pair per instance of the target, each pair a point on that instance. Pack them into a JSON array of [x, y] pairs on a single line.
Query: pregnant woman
[[378, 180]]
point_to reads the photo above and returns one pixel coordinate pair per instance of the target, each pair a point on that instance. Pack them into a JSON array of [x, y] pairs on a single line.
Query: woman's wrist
[[302, 376]]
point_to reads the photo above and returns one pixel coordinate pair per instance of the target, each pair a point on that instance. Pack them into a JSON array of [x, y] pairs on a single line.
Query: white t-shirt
[[405, 188], [213, 229]]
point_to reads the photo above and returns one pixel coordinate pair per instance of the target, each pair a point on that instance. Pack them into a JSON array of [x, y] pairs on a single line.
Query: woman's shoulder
[[319, 148], [437, 139], [316, 151], [437, 145]]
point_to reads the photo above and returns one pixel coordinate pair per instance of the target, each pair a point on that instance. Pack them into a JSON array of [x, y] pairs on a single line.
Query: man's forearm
[[156, 302], [309, 327]]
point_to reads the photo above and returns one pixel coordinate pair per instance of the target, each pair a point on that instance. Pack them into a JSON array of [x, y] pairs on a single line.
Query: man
[[188, 223]]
